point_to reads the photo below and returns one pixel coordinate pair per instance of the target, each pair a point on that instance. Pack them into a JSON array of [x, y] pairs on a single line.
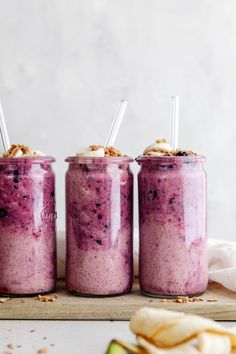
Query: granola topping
[[162, 148], [99, 151], [112, 152], [21, 151]]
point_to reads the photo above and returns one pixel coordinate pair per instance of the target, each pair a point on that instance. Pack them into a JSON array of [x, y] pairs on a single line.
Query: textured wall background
[[64, 65]]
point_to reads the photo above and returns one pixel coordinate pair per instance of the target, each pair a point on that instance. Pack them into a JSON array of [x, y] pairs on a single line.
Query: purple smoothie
[[27, 226], [172, 219], [99, 226]]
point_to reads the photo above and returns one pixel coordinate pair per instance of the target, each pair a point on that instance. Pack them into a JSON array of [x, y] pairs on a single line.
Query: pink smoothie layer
[[173, 240], [99, 200], [27, 226]]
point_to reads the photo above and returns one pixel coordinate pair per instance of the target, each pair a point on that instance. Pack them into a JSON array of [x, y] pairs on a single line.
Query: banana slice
[[209, 343], [86, 152], [166, 329], [180, 349]]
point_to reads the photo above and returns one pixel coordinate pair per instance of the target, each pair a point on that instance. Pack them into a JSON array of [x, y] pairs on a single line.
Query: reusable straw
[[174, 128], [116, 123], [3, 131]]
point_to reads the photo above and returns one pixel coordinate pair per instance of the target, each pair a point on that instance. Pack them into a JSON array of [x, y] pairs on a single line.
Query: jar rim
[[99, 160], [26, 160], [170, 159]]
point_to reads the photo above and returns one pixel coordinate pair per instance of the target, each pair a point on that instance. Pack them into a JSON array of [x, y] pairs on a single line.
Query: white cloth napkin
[[221, 260], [222, 263]]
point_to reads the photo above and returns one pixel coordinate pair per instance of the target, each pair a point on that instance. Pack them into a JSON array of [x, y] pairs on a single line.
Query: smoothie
[[99, 223], [172, 219], [27, 223]]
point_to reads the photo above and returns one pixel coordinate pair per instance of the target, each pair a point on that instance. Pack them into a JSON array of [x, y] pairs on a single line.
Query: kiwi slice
[[118, 347]]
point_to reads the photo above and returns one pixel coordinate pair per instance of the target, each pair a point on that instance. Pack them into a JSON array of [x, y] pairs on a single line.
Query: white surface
[[68, 337], [72, 337], [64, 66]]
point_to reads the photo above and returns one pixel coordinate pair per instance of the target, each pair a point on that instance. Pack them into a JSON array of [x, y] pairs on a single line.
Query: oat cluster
[[15, 149], [46, 298], [110, 151]]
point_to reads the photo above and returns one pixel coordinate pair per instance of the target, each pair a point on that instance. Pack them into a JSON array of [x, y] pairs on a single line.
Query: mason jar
[[99, 226], [172, 222], [27, 226]]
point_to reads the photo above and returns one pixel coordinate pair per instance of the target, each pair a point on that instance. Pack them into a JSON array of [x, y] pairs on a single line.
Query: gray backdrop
[[64, 65]]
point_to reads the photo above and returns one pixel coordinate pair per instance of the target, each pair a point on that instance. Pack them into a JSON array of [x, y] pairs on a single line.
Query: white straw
[[3, 131], [174, 129], [116, 123]]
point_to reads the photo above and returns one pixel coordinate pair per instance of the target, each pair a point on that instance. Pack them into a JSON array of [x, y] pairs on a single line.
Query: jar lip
[[26, 160], [171, 159], [99, 160]]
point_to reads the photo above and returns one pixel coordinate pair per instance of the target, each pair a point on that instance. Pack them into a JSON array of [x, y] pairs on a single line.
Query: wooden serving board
[[68, 307]]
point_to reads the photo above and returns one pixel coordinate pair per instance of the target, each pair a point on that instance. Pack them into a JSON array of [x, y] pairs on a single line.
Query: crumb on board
[[46, 298], [4, 299], [183, 300], [11, 346], [42, 351]]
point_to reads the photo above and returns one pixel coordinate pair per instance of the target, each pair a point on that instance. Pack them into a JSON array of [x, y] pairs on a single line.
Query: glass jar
[[27, 226], [172, 221], [99, 226]]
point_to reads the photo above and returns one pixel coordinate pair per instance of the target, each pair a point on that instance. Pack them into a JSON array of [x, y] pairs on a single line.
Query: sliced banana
[[167, 329], [209, 343], [180, 349]]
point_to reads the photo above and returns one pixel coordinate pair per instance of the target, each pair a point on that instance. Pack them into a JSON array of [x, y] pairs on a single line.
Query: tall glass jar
[[172, 220], [27, 226], [99, 226]]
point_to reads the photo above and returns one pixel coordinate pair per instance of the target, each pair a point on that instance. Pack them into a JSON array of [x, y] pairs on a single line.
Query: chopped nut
[[212, 300], [42, 351], [46, 298], [11, 346], [159, 141], [4, 299], [95, 147], [110, 151], [16, 150], [183, 299]]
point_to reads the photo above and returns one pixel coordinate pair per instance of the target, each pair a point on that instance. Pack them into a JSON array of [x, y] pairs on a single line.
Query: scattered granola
[[17, 150], [4, 299], [212, 300], [183, 299], [42, 351], [11, 346], [32, 330], [46, 298]]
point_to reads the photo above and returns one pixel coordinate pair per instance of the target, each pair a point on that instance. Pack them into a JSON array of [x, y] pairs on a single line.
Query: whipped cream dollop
[[21, 151], [99, 151]]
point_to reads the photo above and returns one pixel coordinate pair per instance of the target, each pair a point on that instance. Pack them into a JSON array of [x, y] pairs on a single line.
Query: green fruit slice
[[118, 347]]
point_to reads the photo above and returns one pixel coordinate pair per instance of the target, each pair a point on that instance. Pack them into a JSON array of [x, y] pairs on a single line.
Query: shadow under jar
[[27, 226], [99, 226], [172, 222]]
